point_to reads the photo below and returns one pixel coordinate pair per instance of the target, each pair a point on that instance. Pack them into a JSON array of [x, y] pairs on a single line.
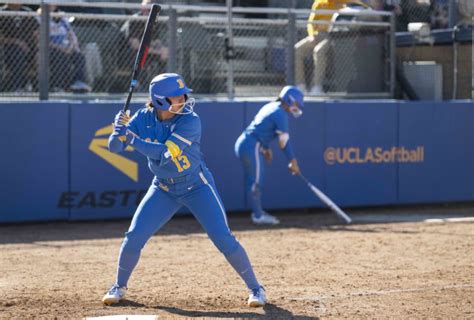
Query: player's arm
[[282, 130], [186, 132], [152, 150], [285, 145], [181, 139]]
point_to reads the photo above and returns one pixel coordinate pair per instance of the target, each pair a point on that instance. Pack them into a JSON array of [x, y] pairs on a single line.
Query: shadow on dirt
[[128, 303], [271, 312], [368, 220]]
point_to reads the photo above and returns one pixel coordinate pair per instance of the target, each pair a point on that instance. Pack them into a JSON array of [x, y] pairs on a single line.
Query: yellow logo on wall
[[98, 145]]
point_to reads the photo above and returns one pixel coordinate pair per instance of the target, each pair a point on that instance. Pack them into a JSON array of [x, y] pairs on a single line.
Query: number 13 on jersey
[[179, 159], [182, 163]]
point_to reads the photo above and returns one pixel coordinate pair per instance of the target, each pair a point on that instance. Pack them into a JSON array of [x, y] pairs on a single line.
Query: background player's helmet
[[168, 85], [293, 97]]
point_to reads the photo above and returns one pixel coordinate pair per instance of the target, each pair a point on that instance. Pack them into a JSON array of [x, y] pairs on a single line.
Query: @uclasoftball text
[[356, 155]]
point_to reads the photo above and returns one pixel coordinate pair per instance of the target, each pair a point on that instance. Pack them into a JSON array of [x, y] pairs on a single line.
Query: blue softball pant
[[247, 149], [164, 197]]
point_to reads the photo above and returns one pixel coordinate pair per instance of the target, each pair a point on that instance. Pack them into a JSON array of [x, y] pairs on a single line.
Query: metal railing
[[218, 55]]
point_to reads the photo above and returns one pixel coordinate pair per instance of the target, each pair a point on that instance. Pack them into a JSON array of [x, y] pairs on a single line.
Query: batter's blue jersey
[[181, 178], [270, 122], [181, 135]]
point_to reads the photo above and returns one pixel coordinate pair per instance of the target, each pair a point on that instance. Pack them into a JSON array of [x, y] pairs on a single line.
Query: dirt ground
[[312, 267]]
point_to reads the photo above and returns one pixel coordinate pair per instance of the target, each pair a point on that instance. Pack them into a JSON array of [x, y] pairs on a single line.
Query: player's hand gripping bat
[[142, 51]]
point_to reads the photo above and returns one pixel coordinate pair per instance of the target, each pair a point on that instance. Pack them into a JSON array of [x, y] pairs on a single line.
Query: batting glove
[[120, 124]]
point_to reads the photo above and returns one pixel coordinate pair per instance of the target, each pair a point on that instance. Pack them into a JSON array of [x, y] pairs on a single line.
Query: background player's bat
[[327, 201], [142, 51]]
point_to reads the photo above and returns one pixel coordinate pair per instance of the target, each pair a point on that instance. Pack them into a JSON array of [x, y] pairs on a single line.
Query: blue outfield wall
[[34, 161], [103, 184], [55, 164], [447, 133], [351, 130]]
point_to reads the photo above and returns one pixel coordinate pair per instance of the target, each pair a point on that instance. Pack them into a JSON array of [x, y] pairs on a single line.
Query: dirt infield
[[311, 268]]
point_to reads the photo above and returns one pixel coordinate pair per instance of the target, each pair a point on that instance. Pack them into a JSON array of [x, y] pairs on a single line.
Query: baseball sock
[[241, 263], [254, 196], [126, 264]]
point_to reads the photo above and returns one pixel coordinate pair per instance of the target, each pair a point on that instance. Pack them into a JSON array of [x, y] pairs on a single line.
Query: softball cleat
[[114, 295], [257, 298], [265, 218]]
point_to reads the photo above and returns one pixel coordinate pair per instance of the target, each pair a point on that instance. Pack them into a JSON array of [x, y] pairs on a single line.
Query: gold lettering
[[378, 155], [356, 155], [339, 158], [405, 155], [357, 158], [393, 153], [369, 155]]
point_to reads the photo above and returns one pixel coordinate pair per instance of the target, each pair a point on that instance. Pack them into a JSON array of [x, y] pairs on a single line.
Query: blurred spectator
[[132, 31], [314, 43], [413, 11], [440, 14], [395, 7], [386, 5], [67, 61], [466, 12], [17, 41]]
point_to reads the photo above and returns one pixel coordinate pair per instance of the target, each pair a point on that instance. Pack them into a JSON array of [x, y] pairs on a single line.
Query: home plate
[[124, 317]]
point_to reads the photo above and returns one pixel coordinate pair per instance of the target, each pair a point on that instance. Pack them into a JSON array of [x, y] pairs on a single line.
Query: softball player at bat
[[253, 145], [168, 133]]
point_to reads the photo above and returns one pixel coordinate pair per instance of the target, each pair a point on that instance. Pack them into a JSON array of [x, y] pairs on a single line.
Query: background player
[[168, 133], [254, 143]]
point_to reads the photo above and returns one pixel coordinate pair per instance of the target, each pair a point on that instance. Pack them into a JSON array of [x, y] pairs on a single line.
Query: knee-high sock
[[126, 263], [254, 194], [241, 263]]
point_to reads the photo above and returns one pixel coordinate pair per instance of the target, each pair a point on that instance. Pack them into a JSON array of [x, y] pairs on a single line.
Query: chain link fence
[[200, 55], [353, 57], [18, 52], [81, 55], [439, 14]]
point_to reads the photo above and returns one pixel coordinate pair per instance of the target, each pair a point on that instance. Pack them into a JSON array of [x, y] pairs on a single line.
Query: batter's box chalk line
[[466, 219], [322, 308], [124, 317], [380, 292]]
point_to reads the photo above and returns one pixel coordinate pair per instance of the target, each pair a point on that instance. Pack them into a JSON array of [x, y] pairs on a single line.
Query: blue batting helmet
[[168, 85], [293, 97]]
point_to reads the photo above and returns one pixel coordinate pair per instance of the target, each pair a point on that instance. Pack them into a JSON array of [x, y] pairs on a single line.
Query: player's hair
[[281, 101]]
